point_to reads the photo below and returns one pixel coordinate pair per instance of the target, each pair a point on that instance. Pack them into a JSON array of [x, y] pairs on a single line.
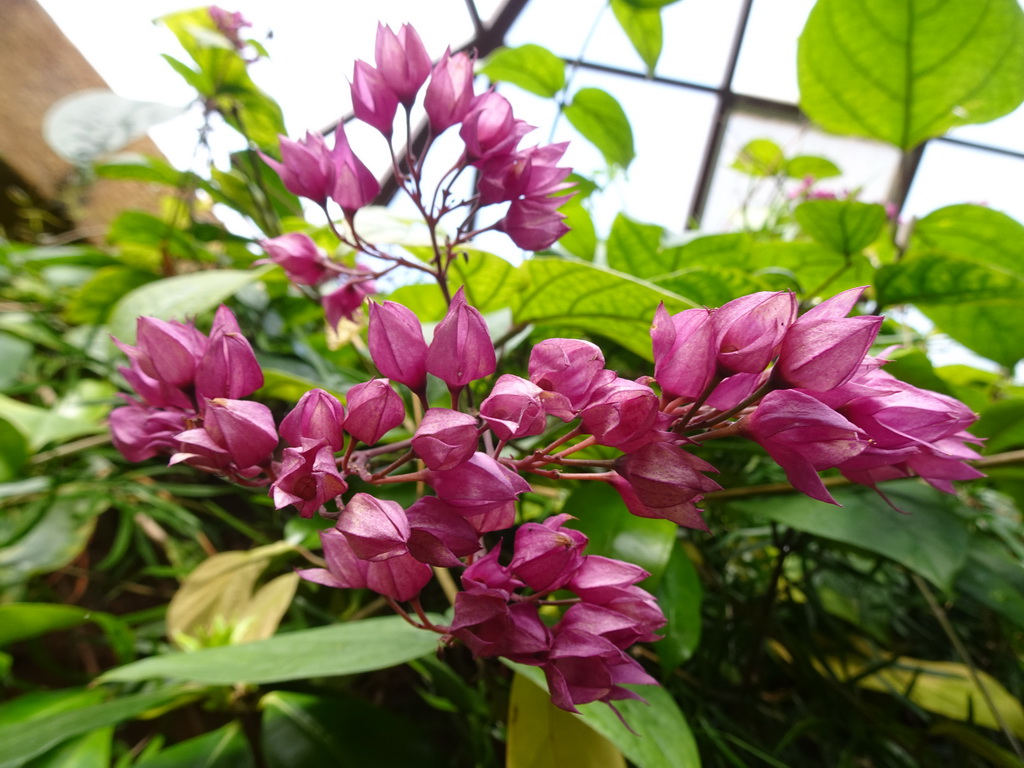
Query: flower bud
[[547, 554], [376, 529], [373, 101], [317, 416], [514, 408], [373, 409], [620, 412], [749, 330], [478, 485], [684, 351], [461, 350], [354, 185], [168, 351], [141, 433], [449, 91], [445, 438], [343, 302], [439, 534], [571, 368], [395, 339], [534, 223], [402, 60], [489, 128], [662, 481], [229, 367], [307, 169]]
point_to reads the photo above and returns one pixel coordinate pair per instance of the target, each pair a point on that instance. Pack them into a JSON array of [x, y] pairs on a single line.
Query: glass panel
[[867, 166], [700, 33], [767, 63], [951, 174]]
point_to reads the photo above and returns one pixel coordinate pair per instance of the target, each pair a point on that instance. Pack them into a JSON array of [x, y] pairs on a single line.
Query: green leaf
[[939, 278], [643, 28], [680, 595], [930, 539], [615, 532], [178, 297], [54, 540], [13, 451], [711, 286], [15, 353], [21, 621], [89, 750], [339, 649], [577, 294], [972, 232], [581, 239], [991, 327], [299, 729], [93, 302], [540, 735], [24, 740], [660, 737], [531, 67], [632, 247], [804, 166], [993, 577], [909, 70], [226, 747], [845, 226], [602, 121], [139, 167], [45, 425], [760, 157]]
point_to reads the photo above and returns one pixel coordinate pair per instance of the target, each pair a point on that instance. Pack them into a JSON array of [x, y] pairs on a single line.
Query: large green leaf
[[531, 67], [680, 595], [845, 226], [658, 735], [300, 729], [339, 649], [577, 294], [600, 118], [13, 451], [178, 297], [540, 735], [906, 70], [79, 412], [633, 247], [643, 28], [24, 740], [226, 747], [931, 539], [994, 577], [963, 270]]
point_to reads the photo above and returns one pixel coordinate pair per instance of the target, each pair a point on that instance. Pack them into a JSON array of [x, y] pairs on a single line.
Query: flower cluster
[[528, 181], [804, 388], [190, 388]]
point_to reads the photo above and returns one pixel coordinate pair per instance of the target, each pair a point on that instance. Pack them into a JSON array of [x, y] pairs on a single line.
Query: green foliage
[[906, 71], [531, 67], [643, 27], [598, 116]]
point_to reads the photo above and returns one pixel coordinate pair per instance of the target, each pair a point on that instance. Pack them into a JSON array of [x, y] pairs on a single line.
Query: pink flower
[[168, 351], [439, 535], [402, 61], [344, 301], [571, 368], [514, 408], [749, 330], [307, 477], [140, 432], [803, 436], [317, 416], [685, 353], [243, 428], [527, 173], [395, 339], [461, 350], [824, 348], [489, 129], [306, 167], [478, 485], [534, 223], [621, 412], [449, 91], [228, 367], [373, 101], [299, 257], [376, 529], [373, 409], [547, 554], [445, 438], [663, 481], [353, 185]]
